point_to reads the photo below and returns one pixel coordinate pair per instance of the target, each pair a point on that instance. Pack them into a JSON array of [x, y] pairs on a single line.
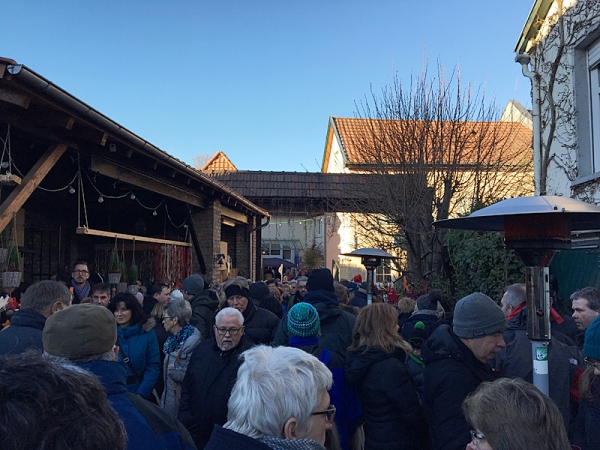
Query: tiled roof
[[311, 190], [218, 163], [364, 141]]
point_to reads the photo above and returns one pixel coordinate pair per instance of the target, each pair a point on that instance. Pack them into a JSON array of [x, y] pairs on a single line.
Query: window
[[382, 273], [593, 58]]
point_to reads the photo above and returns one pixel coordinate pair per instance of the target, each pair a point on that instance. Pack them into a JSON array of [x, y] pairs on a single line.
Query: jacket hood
[[206, 298], [149, 324], [326, 303], [358, 362], [112, 375], [443, 343], [28, 318]]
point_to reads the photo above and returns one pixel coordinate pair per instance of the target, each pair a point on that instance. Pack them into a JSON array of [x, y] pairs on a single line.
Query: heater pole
[[538, 322]]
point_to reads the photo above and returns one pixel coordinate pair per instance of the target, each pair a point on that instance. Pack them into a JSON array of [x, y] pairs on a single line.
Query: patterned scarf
[[175, 341], [81, 292], [295, 444]]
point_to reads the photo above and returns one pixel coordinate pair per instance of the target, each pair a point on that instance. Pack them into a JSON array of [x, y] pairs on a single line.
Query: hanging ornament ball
[[4, 164], [71, 190], [100, 199], [154, 213], [132, 196]]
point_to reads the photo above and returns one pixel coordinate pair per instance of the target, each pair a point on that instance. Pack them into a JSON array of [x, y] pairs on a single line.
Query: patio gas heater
[[371, 258], [537, 229]]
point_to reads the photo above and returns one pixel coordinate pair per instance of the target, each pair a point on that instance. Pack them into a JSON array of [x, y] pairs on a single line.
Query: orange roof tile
[[395, 142], [218, 163]]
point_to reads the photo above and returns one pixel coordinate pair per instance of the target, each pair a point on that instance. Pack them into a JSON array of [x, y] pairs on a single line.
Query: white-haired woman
[[178, 349], [265, 413]]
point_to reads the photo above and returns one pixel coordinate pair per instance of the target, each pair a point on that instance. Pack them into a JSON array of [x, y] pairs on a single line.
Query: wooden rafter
[[129, 237], [31, 181]]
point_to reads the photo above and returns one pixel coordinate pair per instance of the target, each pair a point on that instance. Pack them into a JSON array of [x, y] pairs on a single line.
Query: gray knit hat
[[591, 346], [303, 320], [477, 316], [194, 284], [79, 331]]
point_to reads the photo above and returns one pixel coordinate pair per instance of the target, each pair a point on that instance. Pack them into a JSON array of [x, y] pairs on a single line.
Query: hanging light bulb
[[132, 196], [71, 190], [101, 198], [154, 213], [185, 225], [4, 164]]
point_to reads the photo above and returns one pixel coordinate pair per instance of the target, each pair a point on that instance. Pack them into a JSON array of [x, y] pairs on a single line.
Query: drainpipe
[[524, 59]]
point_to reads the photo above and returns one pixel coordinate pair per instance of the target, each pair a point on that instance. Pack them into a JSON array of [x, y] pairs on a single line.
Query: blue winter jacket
[[148, 426], [140, 345], [24, 333]]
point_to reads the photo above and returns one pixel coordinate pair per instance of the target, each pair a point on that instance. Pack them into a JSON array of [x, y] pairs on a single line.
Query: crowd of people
[[299, 363]]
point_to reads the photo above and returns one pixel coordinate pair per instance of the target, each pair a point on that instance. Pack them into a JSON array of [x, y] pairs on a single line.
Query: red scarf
[[519, 308]]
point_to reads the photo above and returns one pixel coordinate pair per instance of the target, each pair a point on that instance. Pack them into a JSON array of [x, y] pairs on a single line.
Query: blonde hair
[[376, 327]]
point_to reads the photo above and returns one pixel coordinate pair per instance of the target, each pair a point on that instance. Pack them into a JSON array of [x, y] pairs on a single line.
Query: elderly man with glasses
[[210, 376], [263, 415]]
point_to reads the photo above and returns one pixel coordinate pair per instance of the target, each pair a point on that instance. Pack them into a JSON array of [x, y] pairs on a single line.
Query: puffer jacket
[[140, 345], [174, 375], [451, 373], [392, 411], [336, 325], [204, 309]]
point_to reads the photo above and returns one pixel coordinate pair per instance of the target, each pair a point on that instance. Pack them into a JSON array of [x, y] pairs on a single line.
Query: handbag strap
[[178, 355], [128, 362]]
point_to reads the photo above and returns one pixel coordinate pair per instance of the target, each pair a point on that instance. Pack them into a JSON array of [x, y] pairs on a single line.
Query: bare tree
[[438, 150], [200, 160], [553, 67]]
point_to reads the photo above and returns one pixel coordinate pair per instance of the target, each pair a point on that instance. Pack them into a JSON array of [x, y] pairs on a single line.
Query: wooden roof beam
[[31, 181]]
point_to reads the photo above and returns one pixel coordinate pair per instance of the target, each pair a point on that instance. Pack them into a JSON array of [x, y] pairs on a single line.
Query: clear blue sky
[[256, 79]]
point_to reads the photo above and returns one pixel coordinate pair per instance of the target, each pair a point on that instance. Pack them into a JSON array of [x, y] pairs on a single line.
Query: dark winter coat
[[342, 395], [259, 324], [429, 319], [206, 387], [204, 309], [451, 373], [161, 337], [24, 332], [336, 325], [148, 426], [515, 361], [586, 433], [392, 412], [359, 300], [222, 438], [140, 345]]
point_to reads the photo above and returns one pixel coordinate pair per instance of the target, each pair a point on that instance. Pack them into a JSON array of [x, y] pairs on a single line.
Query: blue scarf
[[175, 341], [83, 292]]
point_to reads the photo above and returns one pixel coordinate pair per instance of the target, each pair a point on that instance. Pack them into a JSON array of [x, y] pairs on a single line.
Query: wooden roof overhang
[[314, 193], [52, 133]]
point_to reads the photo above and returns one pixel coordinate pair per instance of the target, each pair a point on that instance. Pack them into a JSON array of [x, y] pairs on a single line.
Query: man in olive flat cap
[[86, 334]]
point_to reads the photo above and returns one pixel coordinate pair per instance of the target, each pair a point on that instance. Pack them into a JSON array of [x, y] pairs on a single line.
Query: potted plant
[[114, 271], [12, 274], [133, 276]]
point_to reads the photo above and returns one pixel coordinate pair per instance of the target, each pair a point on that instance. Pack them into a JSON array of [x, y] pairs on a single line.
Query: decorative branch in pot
[[114, 272]]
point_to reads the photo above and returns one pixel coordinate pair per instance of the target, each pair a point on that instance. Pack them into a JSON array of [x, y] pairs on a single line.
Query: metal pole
[[370, 273], [538, 323]]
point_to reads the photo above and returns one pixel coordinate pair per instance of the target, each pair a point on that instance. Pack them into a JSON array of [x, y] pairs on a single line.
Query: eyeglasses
[[329, 413], [592, 362], [476, 436], [231, 331], [302, 288], [167, 317], [82, 272]]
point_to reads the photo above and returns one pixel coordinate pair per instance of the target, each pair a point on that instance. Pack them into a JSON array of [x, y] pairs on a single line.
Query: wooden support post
[[31, 181]]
